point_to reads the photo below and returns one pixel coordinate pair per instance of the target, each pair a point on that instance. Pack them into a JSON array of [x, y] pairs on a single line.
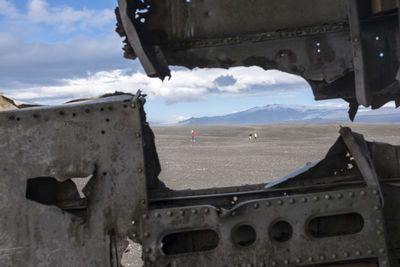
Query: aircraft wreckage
[[341, 210]]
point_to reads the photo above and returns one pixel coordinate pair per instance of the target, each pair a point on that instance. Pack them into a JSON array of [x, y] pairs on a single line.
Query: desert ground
[[224, 155]]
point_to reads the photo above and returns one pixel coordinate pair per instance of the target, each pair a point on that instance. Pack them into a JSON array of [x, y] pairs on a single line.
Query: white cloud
[[66, 19], [184, 85], [63, 18], [8, 10], [334, 104]]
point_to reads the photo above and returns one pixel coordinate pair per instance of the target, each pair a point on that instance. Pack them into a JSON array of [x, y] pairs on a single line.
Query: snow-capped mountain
[[297, 114]]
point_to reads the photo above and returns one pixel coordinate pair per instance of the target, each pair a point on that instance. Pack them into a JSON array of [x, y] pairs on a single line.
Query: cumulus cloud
[[54, 72], [184, 86], [65, 18], [8, 10], [23, 64], [27, 59]]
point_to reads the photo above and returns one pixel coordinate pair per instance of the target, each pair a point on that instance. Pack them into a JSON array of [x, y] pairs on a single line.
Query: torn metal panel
[[313, 39], [324, 215], [359, 150], [42, 149], [7, 103], [311, 218], [361, 87]]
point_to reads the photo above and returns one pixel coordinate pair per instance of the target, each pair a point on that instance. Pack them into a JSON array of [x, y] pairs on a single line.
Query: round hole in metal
[[243, 235], [281, 231]]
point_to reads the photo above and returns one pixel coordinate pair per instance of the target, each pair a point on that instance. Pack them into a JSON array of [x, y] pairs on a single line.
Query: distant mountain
[[297, 114]]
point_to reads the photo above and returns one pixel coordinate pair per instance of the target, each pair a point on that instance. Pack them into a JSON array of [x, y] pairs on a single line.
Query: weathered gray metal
[[45, 223], [331, 212], [342, 48]]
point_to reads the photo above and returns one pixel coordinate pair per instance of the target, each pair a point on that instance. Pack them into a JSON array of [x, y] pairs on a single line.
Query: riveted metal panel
[[301, 249], [100, 138]]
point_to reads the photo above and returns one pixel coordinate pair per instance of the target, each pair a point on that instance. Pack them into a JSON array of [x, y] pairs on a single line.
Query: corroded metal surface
[[331, 212], [341, 209], [342, 48], [43, 221]]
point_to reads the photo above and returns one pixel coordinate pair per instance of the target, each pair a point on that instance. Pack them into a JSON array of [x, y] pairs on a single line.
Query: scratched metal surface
[[100, 138]]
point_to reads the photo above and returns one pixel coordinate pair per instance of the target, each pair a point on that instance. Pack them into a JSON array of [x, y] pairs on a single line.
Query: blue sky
[[54, 51]]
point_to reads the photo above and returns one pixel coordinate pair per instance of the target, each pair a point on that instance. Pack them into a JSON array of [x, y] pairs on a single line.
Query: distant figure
[[255, 136], [249, 136], [192, 136]]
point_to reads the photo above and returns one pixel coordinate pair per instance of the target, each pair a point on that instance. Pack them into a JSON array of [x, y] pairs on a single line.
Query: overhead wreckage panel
[[341, 48]]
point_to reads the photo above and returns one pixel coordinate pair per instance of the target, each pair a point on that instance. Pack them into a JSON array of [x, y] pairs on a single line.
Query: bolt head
[[304, 200], [327, 197], [267, 203], [334, 256], [194, 211], [169, 213], [206, 210], [291, 201], [339, 195], [316, 198], [280, 202], [256, 205], [322, 257], [286, 261], [351, 194], [363, 193]]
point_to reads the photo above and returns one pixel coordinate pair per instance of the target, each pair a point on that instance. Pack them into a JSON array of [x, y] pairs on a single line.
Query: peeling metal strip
[[359, 151], [134, 39], [362, 93]]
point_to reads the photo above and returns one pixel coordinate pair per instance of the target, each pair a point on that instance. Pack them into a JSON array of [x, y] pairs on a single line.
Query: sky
[[55, 51]]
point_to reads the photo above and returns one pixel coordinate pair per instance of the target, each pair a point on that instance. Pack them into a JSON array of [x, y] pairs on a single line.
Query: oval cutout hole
[[243, 235], [193, 241], [335, 225]]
